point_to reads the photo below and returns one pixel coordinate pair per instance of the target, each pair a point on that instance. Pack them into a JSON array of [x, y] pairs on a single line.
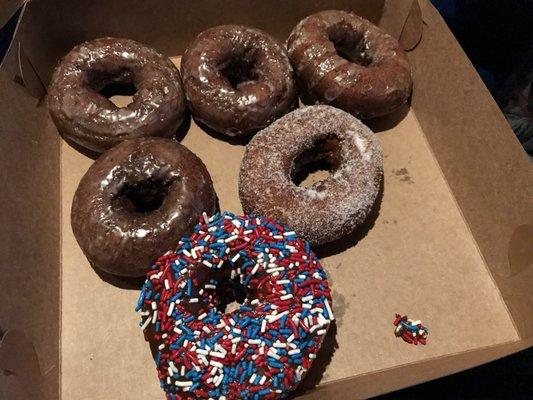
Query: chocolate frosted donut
[[346, 61], [237, 79], [136, 201], [88, 118], [330, 208]]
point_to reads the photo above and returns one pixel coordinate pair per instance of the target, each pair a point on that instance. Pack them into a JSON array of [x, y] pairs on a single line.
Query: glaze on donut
[[261, 350], [330, 208], [237, 79], [346, 61], [91, 120], [136, 200]]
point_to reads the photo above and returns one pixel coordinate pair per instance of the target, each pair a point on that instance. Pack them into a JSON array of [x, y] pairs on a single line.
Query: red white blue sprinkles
[[412, 332], [261, 350]]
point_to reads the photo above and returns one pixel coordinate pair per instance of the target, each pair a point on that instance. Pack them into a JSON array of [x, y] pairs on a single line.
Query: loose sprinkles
[[261, 350], [412, 332]]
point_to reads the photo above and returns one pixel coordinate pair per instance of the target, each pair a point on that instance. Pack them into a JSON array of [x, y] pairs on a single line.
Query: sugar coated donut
[[136, 200], [237, 79], [88, 118], [329, 208], [262, 349], [346, 61]]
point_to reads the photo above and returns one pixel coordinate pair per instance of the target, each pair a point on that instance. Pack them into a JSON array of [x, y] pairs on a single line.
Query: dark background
[[497, 36]]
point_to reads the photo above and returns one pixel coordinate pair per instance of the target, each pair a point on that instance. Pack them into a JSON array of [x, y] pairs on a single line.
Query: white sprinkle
[[154, 317], [233, 348], [308, 306], [164, 335], [321, 332], [307, 298], [254, 341], [280, 345], [213, 371], [236, 340], [291, 352], [290, 233], [171, 309], [145, 324], [263, 380], [312, 356], [231, 238], [219, 265], [237, 223], [283, 281], [145, 313], [301, 276], [317, 310], [290, 338], [154, 305], [273, 355], [252, 379], [193, 300], [209, 286], [207, 263], [193, 253], [206, 329], [254, 302], [202, 316], [178, 331], [263, 326], [161, 346], [217, 355], [286, 297], [219, 380], [221, 324], [167, 285], [330, 312], [216, 364], [417, 322], [237, 256], [202, 352], [187, 253], [206, 219], [204, 360], [183, 383], [254, 269], [183, 271], [237, 331]]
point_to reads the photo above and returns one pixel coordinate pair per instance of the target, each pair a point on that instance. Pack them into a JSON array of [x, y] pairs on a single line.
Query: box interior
[[436, 248]]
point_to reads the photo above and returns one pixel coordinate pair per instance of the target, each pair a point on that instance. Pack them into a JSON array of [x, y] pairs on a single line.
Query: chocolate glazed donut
[[346, 61], [90, 119], [237, 79], [136, 201], [277, 157]]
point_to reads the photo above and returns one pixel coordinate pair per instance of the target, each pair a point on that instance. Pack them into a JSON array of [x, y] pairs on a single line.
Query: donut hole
[[142, 197], [239, 69], [117, 86], [350, 44], [317, 163]]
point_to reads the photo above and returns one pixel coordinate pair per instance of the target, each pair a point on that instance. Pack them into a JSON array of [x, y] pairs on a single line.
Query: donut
[[88, 118], [136, 201], [237, 79], [262, 349], [329, 208], [345, 61]]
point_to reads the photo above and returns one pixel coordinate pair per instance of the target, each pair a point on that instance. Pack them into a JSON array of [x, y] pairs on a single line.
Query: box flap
[[29, 238], [485, 166], [7, 9], [20, 374]]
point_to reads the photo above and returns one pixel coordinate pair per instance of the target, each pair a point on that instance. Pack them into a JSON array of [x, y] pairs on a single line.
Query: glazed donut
[[261, 350], [330, 208], [91, 120], [346, 61], [237, 79], [136, 200]]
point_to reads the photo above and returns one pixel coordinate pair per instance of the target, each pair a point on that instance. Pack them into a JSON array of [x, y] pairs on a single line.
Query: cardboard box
[[450, 241]]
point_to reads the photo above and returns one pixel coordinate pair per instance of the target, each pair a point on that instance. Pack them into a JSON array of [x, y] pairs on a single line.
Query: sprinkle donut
[[330, 208], [346, 61], [261, 350]]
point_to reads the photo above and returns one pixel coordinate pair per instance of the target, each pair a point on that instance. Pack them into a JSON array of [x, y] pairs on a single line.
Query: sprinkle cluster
[[260, 350], [410, 331]]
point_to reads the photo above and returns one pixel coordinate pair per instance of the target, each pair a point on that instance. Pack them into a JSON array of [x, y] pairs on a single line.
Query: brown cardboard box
[[450, 242]]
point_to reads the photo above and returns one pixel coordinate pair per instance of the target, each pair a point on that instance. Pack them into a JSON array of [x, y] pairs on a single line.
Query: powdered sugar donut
[[262, 349], [330, 208]]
